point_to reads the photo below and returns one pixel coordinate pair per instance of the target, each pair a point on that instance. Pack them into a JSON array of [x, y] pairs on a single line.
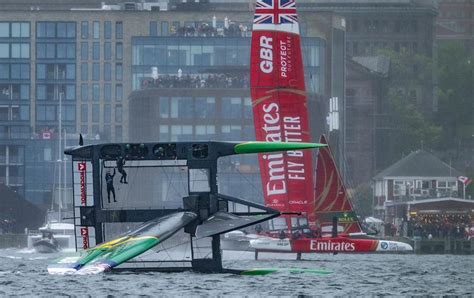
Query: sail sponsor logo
[[275, 162], [298, 202], [266, 54], [285, 57], [82, 181], [85, 237], [331, 246]]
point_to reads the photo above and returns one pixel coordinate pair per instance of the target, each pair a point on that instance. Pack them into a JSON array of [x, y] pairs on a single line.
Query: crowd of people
[[207, 30], [198, 81], [439, 225]]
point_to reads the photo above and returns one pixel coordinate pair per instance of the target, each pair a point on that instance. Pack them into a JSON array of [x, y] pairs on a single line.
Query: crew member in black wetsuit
[[109, 179], [120, 164]]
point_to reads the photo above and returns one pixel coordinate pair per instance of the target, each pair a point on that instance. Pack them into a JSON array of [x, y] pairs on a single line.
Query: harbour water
[[23, 272]]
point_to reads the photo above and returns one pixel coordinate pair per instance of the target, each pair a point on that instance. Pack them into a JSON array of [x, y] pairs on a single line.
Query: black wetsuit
[[109, 179], [120, 164]]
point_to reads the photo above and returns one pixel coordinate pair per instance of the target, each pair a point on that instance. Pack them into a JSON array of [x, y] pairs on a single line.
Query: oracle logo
[[266, 54]]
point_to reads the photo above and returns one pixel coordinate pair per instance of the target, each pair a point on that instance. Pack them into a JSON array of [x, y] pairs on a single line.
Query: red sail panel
[[279, 105], [331, 197]]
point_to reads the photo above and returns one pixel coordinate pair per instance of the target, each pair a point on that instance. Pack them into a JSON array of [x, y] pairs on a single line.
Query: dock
[[443, 246]]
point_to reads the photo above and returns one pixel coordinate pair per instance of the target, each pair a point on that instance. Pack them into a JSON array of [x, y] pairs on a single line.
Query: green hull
[[259, 147]]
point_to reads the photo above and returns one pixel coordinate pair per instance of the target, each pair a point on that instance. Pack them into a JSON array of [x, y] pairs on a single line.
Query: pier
[[443, 246]]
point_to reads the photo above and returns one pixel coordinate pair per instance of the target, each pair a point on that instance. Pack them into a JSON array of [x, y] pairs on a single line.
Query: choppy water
[[24, 273]]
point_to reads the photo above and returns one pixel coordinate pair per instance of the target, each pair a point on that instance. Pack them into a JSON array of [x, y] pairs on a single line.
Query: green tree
[[456, 101], [408, 106], [412, 130], [362, 200]]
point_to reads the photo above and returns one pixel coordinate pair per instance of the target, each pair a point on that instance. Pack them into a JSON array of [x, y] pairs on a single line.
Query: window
[[107, 92], [4, 29], [118, 71], [248, 108], [118, 92], [61, 30], [70, 71], [41, 92], [84, 71], [95, 92], [95, 71], [20, 30], [20, 71], [4, 50], [231, 132], [40, 29], [181, 107], [204, 132], [84, 113], [164, 107], [84, 92], [84, 50], [118, 113], [4, 71], [95, 30], [46, 112], [164, 135], [107, 30], [205, 107], [69, 113], [50, 29], [181, 132], [107, 114], [107, 72], [96, 50], [24, 92], [118, 30], [165, 29], [153, 31], [71, 51], [85, 30], [61, 50], [95, 113], [119, 51], [231, 107], [20, 50], [24, 112], [107, 51], [118, 133], [70, 92]]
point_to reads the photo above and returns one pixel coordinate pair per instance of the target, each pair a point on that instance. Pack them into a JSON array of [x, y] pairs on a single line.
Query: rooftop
[[419, 164]]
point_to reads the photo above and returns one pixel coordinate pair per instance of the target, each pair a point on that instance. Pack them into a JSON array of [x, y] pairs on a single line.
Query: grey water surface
[[24, 273]]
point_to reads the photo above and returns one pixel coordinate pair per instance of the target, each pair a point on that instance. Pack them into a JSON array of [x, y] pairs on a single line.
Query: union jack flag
[[275, 12]]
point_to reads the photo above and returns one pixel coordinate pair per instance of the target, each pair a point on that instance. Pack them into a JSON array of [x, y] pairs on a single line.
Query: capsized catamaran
[[280, 115], [205, 214]]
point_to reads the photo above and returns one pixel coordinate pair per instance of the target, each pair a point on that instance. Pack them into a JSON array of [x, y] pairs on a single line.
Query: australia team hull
[[328, 245]]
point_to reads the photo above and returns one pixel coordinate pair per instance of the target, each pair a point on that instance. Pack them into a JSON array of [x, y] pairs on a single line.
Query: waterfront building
[[417, 177]]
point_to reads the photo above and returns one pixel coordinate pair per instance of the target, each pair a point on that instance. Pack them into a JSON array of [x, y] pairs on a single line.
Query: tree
[[362, 200], [408, 106], [456, 99]]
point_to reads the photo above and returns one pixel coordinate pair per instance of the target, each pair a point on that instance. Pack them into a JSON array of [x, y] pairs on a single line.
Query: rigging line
[[131, 184], [168, 178], [240, 256], [259, 191]]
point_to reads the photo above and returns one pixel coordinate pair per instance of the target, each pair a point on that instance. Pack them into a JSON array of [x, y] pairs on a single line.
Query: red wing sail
[[331, 197], [279, 105]]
